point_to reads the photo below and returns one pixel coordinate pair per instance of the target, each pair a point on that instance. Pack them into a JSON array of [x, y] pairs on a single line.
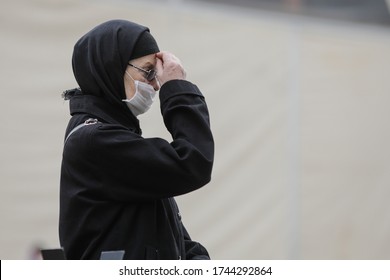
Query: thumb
[[159, 67]]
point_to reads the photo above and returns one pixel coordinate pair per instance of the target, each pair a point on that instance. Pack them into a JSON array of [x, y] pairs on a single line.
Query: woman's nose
[[155, 84]]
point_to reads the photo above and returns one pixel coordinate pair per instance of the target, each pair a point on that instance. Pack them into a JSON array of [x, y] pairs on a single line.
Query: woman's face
[[147, 62]]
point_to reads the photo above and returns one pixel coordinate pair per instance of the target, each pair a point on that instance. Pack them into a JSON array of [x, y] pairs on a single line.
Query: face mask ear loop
[[129, 75], [135, 84]]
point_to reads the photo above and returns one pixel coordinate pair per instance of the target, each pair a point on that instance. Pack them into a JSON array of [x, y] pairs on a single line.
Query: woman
[[117, 188]]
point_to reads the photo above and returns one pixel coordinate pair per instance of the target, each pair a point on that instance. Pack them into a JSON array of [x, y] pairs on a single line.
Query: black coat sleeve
[[123, 166]]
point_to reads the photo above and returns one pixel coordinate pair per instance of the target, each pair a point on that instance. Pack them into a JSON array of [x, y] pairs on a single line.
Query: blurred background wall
[[299, 97]]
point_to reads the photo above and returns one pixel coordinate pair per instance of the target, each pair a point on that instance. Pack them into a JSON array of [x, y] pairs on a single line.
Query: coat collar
[[104, 111]]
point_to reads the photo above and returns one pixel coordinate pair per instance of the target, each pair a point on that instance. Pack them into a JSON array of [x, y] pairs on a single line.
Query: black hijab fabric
[[100, 57]]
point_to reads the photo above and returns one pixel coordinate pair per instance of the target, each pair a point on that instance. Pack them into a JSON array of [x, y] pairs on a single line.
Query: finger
[[168, 57], [161, 55], [159, 66]]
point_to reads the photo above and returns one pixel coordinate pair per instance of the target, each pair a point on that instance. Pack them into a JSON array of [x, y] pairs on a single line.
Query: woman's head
[[141, 69], [102, 56]]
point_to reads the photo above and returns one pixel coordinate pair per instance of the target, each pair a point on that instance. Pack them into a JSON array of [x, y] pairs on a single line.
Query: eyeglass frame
[[150, 74]]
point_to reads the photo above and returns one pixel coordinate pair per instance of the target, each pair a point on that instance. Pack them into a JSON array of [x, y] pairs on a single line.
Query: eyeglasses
[[150, 75]]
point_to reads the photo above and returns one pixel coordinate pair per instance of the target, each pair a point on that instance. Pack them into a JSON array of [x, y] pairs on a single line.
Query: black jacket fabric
[[117, 188]]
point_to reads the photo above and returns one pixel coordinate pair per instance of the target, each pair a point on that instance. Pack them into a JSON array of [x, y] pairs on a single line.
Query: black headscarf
[[100, 57]]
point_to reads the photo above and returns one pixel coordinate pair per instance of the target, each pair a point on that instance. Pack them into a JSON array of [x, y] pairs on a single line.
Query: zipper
[[87, 122]]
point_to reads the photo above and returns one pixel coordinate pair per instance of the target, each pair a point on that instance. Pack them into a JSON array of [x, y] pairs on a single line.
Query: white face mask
[[142, 99]]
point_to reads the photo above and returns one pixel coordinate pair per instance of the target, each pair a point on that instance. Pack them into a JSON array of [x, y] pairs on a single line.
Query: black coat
[[117, 188]]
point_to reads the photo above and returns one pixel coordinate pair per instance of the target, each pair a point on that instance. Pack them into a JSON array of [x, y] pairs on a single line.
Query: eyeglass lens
[[151, 75]]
